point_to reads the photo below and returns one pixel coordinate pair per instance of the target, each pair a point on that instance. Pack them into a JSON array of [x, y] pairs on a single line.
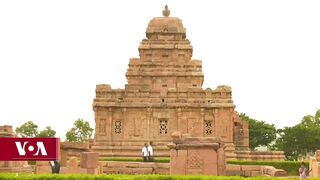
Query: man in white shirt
[[144, 152], [150, 152]]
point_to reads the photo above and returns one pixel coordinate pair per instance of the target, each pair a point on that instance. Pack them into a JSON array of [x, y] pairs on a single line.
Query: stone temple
[[164, 94]]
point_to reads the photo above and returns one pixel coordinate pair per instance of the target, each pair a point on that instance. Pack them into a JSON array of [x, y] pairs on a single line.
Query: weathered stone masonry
[[164, 94]]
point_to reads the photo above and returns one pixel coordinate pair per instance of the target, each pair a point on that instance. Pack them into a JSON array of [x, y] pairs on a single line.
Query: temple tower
[[164, 94]]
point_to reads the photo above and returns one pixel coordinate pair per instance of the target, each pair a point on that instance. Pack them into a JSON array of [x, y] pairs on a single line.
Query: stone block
[[251, 168], [73, 162], [163, 171], [132, 164], [221, 162], [142, 170], [109, 170], [210, 161], [246, 173], [234, 173], [8, 164], [119, 170], [178, 165], [92, 170], [271, 171], [42, 163], [279, 173], [16, 170], [233, 167], [124, 164], [315, 166], [255, 173], [89, 160], [75, 145], [72, 170], [162, 165], [317, 155], [146, 165], [63, 157], [181, 153], [113, 164], [267, 170], [43, 170]]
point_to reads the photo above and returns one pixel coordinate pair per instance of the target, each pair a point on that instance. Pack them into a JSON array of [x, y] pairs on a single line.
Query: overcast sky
[[53, 53]]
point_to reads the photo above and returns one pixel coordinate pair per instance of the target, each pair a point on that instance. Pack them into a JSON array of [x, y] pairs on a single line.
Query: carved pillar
[[149, 123], [102, 126], [179, 128], [202, 114], [216, 122], [230, 125], [96, 120], [245, 132], [124, 123], [153, 82], [109, 125]]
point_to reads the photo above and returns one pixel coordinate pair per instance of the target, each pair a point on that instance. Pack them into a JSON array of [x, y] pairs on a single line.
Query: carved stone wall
[[196, 156]]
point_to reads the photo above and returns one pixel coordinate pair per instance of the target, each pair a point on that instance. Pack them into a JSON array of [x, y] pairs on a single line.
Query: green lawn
[[109, 177]]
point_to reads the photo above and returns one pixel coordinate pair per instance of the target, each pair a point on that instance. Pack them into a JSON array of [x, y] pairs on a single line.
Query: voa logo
[[30, 148]]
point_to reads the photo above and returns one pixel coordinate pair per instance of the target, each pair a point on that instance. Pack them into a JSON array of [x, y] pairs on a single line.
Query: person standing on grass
[[150, 152], [144, 152], [303, 171], [55, 167]]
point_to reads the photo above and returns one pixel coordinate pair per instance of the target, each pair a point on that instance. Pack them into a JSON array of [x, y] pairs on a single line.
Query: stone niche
[[196, 156]]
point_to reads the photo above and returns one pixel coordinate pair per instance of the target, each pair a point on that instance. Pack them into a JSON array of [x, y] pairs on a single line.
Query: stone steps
[[129, 151], [106, 153], [158, 148], [113, 167], [131, 142]]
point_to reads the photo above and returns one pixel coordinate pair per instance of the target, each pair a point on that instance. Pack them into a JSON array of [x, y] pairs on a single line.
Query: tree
[[48, 132], [80, 133], [260, 132], [28, 129], [311, 120], [300, 139]]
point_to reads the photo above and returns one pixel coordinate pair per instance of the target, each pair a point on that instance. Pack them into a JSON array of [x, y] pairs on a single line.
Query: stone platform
[[114, 167], [129, 148]]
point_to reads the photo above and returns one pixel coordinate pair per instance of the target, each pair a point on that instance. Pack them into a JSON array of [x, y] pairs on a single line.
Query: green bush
[[109, 177], [290, 166]]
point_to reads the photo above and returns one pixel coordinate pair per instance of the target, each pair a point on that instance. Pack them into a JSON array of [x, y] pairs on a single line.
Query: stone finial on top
[[166, 11]]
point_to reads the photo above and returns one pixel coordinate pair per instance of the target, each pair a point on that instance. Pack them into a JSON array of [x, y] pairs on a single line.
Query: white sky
[[53, 53]]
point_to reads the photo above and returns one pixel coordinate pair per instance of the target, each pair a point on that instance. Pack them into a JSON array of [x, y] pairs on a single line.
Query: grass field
[[4, 176]]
